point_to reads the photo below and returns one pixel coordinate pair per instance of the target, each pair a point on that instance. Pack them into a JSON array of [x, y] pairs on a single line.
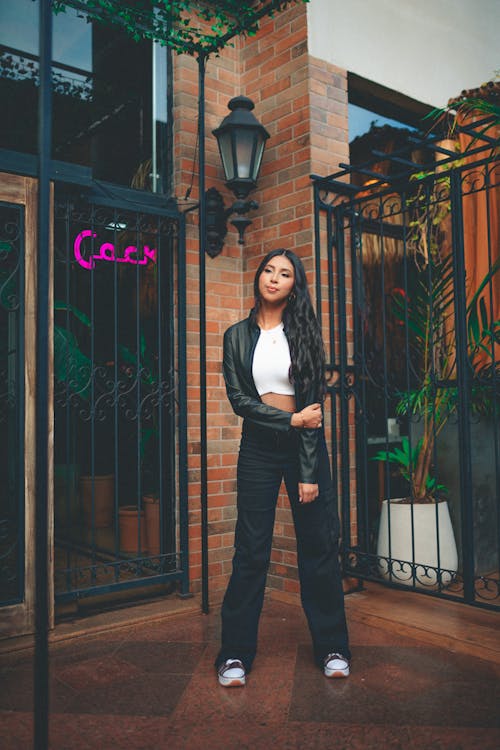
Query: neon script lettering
[[107, 253]]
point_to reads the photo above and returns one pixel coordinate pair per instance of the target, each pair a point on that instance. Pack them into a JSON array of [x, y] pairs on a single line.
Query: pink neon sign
[[107, 253]]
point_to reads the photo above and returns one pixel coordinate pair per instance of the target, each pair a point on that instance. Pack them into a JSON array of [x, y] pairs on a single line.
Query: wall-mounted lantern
[[241, 140]]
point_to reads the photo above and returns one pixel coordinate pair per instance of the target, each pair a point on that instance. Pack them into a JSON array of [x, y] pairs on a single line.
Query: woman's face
[[277, 280]]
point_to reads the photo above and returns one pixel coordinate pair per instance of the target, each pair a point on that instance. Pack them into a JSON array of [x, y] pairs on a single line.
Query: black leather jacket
[[240, 341]]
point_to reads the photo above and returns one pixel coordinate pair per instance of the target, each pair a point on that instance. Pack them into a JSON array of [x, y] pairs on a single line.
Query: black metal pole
[[463, 385], [343, 385], [317, 254], [41, 662], [203, 343], [183, 407]]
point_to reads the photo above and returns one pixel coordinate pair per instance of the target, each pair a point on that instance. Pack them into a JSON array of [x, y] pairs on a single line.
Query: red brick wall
[[223, 306], [302, 102]]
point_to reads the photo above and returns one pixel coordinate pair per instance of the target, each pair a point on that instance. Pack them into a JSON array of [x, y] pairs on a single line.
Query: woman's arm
[[310, 417], [246, 405]]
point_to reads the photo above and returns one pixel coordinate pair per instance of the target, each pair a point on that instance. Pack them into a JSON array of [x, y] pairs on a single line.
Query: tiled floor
[[153, 686]]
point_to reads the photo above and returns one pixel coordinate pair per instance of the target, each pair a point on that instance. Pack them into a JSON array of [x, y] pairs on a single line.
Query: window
[[362, 120], [11, 403], [380, 120], [110, 96]]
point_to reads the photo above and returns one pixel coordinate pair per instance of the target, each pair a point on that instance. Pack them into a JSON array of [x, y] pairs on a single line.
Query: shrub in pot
[[432, 398]]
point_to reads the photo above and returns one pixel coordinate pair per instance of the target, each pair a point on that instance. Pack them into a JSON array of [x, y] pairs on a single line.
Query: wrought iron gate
[[12, 521], [408, 273], [119, 395]]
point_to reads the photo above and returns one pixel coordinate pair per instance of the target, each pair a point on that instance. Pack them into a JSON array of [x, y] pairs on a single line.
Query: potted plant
[[73, 370], [407, 528], [132, 526], [144, 367]]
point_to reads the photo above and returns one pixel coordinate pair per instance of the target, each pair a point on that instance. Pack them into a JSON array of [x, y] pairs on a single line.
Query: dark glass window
[[11, 404], [110, 96], [363, 119]]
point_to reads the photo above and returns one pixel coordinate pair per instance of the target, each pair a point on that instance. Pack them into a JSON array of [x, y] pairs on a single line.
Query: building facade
[[131, 296]]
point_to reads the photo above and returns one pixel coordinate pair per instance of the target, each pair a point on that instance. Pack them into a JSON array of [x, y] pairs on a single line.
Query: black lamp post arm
[[241, 207], [216, 220]]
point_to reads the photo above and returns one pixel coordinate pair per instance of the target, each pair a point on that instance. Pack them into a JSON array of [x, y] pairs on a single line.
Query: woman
[[274, 372]]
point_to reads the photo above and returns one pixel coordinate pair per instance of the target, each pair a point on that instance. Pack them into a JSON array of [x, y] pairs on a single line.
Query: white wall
[[427, 49]]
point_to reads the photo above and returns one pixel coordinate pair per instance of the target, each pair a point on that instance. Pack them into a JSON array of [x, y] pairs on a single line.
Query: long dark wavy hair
[[307, 351]]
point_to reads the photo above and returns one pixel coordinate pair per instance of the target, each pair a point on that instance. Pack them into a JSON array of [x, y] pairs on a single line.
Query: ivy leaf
[[161, 20]]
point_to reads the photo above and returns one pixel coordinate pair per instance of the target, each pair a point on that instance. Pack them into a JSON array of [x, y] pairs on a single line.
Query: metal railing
[[409, 292], [119, 378]]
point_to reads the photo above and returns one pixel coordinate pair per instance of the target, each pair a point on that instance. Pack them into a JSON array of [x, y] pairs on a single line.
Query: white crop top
[[271, 363]]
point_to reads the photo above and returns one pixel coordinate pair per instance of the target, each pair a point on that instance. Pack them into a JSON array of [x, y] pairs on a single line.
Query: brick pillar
[[302, 102]]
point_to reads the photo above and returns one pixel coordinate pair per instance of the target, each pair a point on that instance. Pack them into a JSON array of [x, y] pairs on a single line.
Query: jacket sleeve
[[308, 440], [244, 404], [308, 455]]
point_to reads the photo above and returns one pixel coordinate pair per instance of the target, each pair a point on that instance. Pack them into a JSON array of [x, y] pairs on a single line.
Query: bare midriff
[[279, 401]]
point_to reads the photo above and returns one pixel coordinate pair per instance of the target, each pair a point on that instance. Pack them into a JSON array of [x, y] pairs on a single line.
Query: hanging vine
[[187, 26]]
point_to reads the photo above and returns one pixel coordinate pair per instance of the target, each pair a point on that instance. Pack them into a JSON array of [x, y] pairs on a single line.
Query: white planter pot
[[431, 522]]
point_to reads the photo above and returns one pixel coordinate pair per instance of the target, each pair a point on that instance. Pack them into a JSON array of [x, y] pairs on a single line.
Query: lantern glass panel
[[226, 153], [259, 153], [244, 152]]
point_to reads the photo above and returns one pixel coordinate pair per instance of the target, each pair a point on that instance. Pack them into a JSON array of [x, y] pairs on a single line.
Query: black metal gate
[[120, 480], [12, 413], [408, 273]]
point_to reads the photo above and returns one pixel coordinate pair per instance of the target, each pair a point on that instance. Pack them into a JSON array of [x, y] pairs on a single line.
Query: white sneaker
[[231, 673], [336, 665]]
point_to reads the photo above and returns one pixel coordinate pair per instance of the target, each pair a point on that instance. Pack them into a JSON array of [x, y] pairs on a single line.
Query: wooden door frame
[[19, 619]]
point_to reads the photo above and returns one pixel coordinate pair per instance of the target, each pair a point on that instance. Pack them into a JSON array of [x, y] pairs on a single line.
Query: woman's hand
[[310, 417], [307, 492]]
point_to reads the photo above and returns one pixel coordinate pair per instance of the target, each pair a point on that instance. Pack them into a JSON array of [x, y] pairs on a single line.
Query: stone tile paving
[[150, 687]]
